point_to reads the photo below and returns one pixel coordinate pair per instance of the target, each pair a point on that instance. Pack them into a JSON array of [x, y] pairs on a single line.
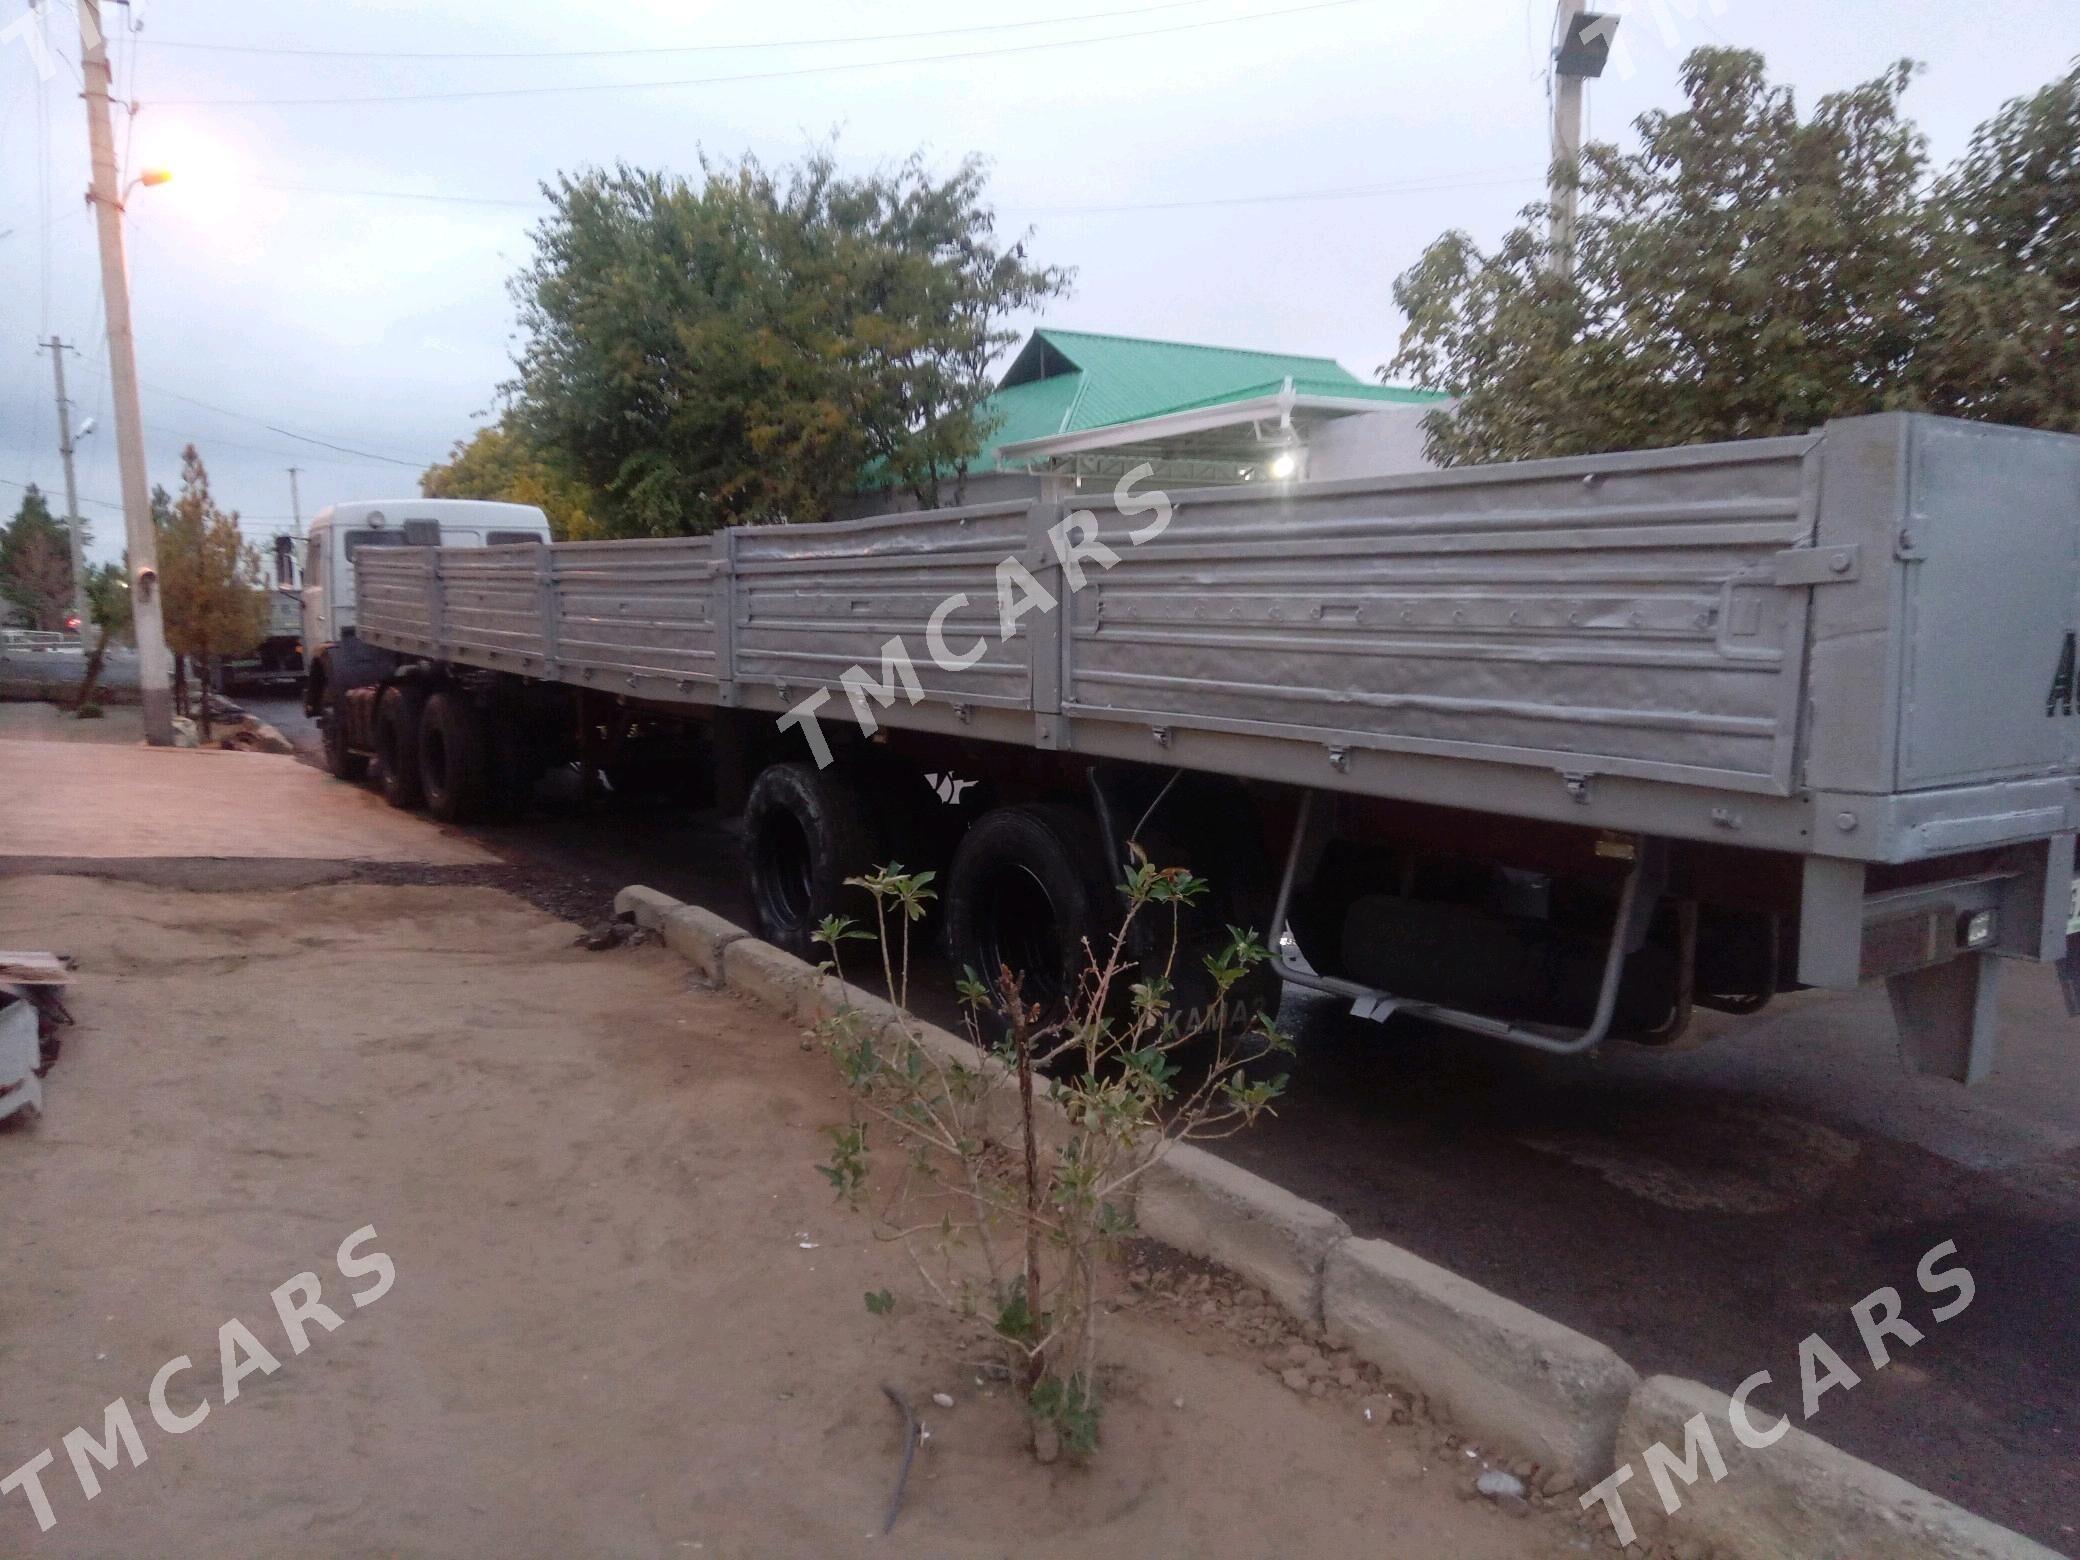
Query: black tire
[[341, 761], [806, 831], [454, 758], [1029, 891], [397, 744]]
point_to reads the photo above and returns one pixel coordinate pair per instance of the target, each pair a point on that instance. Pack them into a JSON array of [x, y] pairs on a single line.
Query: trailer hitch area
[[1637, 902]]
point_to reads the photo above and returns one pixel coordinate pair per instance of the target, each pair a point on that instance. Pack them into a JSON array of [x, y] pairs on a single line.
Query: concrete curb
[[1504, 1374], [1516, 1381], [1798, 1496], [1213, 1209]]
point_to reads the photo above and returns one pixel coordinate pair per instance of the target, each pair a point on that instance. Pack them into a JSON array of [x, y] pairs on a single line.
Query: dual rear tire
[[1027, 890], [397, 744], [432, 750], [454, 758]]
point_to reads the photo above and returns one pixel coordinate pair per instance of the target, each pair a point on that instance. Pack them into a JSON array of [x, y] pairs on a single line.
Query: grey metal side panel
[[390, 593], [1853, 676], [1992, 563], [812, 601], [641, 610], [491, 600], [1613, 616]]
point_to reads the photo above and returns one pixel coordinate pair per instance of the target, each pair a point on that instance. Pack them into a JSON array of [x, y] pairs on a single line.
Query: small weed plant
[[1015, 1155]]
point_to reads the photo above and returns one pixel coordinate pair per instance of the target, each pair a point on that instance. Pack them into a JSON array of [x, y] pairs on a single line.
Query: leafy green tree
[[746, 348], [108, 608], [2006, 339], [36, 563], [212, 589], [1745, 271], [500, 462]]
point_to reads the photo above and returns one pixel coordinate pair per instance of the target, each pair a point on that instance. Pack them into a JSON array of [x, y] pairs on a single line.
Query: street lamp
[[151, 178]]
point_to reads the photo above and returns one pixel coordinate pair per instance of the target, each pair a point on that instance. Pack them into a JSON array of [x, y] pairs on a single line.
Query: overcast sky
[[1242, 172]]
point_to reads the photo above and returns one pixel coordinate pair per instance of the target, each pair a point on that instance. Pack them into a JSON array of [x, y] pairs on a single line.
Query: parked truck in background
[[277, 661], [1552, 752]]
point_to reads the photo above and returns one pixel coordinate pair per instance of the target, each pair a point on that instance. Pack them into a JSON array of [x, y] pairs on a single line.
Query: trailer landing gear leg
[[1945, 1015]]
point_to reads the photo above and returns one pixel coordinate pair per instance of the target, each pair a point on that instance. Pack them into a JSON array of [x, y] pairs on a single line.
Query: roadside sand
[[605, 1334]]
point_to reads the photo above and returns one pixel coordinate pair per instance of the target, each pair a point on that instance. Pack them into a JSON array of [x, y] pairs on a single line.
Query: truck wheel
[[1029, 891], [397, 744], [806, 832], [340, 760], [454, 772]]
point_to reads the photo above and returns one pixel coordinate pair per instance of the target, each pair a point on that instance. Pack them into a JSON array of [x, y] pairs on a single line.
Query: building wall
[[988, 487], [1372, 444]]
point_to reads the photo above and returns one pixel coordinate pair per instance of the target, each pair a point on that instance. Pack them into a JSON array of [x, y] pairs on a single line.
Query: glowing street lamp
[[150, 178]]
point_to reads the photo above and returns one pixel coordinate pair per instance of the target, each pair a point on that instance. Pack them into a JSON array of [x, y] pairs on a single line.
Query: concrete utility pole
[[58, 349], [295, 504], [1567, 147], [154, 665], [1583, 48]]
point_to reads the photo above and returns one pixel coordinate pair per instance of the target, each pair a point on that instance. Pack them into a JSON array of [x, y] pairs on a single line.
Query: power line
[[104, 503], [286, 433], [655, 49], [474, 93], [537, 204], [1475, 179], [1353, 192]]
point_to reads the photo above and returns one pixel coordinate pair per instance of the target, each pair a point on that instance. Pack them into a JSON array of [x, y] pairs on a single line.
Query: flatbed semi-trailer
[[1551, 751]]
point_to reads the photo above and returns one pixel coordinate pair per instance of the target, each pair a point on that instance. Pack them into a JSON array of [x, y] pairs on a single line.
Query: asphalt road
[[1700, 1211]]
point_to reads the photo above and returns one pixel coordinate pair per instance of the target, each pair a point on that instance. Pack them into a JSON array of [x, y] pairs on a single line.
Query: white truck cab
[[341, 530]]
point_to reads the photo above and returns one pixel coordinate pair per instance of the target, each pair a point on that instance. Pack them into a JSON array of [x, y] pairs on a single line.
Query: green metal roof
[[1069, 381]]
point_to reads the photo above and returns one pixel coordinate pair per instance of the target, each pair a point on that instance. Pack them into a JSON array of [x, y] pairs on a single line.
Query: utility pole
[[1565, 172], [1583, 49], [58, 350], [154, 665], [295, 504]]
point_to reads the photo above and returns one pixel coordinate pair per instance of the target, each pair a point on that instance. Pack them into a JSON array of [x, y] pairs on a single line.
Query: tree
[[108, 607], [1745, 272], [745, 349], [36, 563], [500, 462], [212, 590], [2006, 339]]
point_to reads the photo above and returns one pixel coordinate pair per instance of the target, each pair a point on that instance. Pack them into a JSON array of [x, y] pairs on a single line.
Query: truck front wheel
[[454, 772], [397, 744], [805, 833]]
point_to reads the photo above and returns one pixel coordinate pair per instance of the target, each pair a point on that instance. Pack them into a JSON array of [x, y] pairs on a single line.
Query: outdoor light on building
[[1284, 465]]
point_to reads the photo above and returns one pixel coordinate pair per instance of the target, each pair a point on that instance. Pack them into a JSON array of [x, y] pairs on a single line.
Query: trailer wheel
[[1028, 891], [805, 833], [397, 744], [341, 761], [454, 772]]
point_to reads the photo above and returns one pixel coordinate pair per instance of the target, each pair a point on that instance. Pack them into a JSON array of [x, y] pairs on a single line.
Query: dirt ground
[[626, 1317]]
